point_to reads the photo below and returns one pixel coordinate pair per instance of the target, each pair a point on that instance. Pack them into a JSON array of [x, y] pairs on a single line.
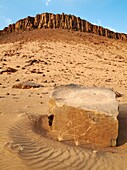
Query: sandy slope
[[55, 57]]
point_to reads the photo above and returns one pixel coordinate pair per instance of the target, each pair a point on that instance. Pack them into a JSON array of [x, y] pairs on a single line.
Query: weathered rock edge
[[92, 120], [70, 22]]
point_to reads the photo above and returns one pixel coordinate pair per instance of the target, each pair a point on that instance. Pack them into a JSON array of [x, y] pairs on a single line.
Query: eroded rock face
[[85, 115], [49, 20]]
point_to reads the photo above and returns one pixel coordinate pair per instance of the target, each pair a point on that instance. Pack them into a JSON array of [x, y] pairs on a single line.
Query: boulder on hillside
[[9, 70], [27, 85], [85, 115]]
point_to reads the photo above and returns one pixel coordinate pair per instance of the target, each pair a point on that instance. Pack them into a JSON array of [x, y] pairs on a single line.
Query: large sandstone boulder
[[85, 115]]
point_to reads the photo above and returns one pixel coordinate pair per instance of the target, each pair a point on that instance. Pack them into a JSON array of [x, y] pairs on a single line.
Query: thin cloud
[[47, 2], [8, 20], [108, 27], [97, 23], [5, 20], [112, 29]]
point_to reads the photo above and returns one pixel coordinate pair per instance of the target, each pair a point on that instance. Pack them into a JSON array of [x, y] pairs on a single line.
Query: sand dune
[[52, 58]]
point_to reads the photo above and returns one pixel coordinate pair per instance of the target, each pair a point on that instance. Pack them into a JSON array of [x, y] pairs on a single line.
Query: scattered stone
[[39, 72], [108, 80], [13, 94], [4, 59], [24, 56], [3, 87], [15, 98], [1, 113], [9, 70], [33, 71], [17, 80], [12, 146], [30, 80], [45, 63], [118, 94], [2, 97], [44, 93], [18, 54], [31, 62], [94, 151], [85, 115], [7, 94], [27, 85]]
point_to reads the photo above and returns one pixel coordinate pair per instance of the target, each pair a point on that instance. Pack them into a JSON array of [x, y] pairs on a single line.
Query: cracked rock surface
[[85, 115]]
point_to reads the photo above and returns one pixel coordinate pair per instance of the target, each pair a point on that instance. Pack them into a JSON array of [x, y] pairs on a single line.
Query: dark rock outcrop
[[64, 21]]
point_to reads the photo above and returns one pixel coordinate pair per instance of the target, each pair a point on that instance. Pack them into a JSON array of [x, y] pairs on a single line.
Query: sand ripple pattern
[[39, 152]]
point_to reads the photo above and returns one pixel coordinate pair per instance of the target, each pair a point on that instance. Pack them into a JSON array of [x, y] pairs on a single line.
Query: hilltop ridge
[[64, 21]]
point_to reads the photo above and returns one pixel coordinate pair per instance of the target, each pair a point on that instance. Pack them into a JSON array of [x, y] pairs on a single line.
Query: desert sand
[[53, 57]]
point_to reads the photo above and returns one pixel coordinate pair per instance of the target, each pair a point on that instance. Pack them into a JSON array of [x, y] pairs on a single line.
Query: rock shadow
[[122, 119]]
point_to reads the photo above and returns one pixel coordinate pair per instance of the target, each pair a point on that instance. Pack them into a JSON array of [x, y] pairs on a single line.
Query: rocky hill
[[64, 21]]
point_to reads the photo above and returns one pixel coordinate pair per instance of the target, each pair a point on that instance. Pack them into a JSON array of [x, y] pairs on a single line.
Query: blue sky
[[111, 14]]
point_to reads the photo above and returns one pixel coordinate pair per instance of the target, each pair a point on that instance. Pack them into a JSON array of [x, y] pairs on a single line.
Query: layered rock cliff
[[64, 21]]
